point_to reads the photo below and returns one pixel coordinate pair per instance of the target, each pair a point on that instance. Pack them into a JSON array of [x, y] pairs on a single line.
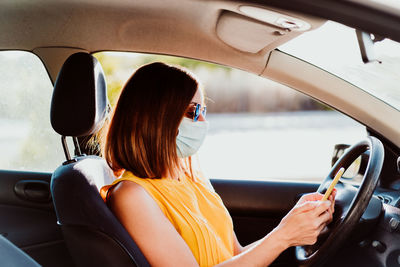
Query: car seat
[[93, 235]]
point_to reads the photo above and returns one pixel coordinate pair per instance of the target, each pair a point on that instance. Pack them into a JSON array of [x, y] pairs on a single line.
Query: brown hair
[[141, 137]]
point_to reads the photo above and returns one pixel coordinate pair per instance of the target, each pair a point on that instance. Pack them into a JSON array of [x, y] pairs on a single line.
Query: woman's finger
[[311, 197], [324, 218], [321, 227], [306, 206], [322, 207]]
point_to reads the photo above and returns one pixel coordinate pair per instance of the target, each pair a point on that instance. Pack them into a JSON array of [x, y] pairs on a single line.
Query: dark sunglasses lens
[[196, 112]]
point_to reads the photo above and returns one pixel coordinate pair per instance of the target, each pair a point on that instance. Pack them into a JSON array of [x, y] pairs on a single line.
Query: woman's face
[[198, 98]]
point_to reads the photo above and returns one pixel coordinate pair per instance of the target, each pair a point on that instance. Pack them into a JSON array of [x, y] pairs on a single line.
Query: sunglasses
[[194, 110]]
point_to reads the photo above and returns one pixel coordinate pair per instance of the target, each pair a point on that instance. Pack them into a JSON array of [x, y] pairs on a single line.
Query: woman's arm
[[260, 253], [156, 237], [162, 245]]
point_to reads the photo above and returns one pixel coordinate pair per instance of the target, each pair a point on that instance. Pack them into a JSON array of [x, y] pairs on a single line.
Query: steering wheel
[[352, 205]]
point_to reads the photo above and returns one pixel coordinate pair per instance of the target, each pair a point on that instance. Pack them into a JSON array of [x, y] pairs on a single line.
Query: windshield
[[334, 48]]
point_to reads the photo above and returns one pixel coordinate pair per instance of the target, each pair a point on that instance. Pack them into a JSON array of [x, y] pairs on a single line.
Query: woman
[[173, 214]]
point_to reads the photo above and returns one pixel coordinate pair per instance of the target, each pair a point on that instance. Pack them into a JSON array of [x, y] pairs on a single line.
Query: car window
[[259, 129], [27, 140], [334, 47]]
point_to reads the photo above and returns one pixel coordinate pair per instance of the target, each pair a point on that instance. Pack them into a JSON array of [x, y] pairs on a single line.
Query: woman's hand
[[316, 197], [303, 224]]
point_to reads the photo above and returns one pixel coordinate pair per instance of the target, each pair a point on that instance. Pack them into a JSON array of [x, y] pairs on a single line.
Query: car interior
[[58, 218]]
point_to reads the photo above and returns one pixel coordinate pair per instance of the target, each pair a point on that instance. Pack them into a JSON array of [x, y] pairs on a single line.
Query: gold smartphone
[[333, 184]]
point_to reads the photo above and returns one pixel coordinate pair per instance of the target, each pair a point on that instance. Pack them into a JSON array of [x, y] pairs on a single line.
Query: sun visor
[[255, 29]]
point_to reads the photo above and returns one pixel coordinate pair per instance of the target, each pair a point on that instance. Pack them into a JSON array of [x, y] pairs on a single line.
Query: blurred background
[[259, 129]]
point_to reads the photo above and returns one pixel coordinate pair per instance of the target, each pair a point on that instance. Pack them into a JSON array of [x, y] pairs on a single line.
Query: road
[[289, 146]]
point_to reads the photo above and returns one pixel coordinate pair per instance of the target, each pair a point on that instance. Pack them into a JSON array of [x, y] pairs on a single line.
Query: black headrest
[[79, 103]]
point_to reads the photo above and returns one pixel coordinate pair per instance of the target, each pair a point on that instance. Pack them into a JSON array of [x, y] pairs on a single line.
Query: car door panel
[[257, 207], [9, 179], [264, 201], [28, 219]]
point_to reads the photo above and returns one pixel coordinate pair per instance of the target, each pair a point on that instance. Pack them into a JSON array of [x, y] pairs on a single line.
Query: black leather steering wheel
[[350, 211]]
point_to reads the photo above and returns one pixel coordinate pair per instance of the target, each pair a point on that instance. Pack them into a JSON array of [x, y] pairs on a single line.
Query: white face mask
[[190, 137]]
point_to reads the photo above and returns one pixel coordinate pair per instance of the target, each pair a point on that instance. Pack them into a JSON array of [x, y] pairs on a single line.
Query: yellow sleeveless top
[[196, 212]]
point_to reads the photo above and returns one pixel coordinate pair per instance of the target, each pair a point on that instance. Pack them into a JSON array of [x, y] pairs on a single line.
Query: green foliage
[[110, 66], [116, 65], [227, 90]]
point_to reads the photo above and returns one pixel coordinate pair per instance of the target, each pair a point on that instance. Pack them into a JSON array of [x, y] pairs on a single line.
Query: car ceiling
[[173, 27]]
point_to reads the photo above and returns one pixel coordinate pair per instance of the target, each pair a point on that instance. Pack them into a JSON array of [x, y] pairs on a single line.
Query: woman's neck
[[178, 172]]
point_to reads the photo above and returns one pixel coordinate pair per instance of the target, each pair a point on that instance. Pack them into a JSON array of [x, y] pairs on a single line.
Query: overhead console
[[253, 29]]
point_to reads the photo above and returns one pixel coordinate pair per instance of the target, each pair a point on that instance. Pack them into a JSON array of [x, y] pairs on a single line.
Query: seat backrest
[[92, 233]]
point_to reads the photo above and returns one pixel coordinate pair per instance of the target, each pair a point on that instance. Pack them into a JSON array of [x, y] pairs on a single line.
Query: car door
[[257, 207], [27, 142], [28, 217]]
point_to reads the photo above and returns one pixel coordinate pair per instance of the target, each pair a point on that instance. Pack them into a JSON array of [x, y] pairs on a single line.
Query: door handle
[[33, 190]]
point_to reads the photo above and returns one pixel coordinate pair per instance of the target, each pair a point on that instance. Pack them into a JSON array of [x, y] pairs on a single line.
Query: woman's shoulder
[[126, 189], [127, 196], [129, 193], [125, 182]]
